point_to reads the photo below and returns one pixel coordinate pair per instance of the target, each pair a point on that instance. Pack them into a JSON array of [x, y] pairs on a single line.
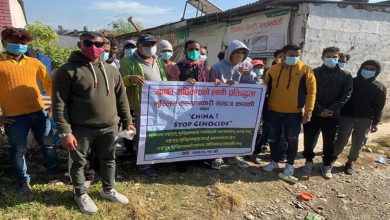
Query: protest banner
[[182, 122]]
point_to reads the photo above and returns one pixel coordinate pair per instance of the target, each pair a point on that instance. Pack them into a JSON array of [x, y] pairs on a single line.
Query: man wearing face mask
[[362, 113], [334, 88], [142, 66], [22, 104], [258, 68], [130, 46], [231, 70], [292, 89], [343, 61], [191, 68], [106, 50], [165, 52], [89, 101]]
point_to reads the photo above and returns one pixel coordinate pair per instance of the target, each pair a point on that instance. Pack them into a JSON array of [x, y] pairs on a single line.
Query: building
[[12, 14], [356, 27]]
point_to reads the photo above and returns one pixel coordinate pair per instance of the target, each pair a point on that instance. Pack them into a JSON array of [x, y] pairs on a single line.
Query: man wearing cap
[[22, 104], [89, 101], [142, 66], [129, 47], [258, 68], [165, 52]]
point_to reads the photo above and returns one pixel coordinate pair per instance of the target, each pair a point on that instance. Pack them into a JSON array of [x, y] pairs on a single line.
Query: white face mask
[[149, 51]]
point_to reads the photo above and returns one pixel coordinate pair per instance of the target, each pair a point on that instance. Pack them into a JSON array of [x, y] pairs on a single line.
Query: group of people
[[97, 93]]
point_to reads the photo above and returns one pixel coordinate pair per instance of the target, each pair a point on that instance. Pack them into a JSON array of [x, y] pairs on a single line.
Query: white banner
[[263, 33], [183, 122]]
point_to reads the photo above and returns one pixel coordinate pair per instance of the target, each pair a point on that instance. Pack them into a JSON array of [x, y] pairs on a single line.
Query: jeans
[[290, 123], [17, 133], [328, 127], [100, 140], [359, 128]]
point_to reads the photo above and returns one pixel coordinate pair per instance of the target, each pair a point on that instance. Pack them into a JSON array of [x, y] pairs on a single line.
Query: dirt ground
[[201, 193]]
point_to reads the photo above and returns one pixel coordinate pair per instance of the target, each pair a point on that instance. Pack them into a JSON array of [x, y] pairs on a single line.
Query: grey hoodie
[[224, 70], [88, 94]]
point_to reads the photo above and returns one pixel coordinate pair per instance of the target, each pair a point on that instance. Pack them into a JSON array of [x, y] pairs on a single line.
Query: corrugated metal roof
[[205, 6], [258, 6]]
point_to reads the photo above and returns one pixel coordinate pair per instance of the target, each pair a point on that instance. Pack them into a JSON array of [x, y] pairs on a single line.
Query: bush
[[44, 42]]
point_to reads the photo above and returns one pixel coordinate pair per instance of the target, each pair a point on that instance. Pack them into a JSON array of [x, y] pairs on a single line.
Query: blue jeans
[[290, 124], [17, 133]]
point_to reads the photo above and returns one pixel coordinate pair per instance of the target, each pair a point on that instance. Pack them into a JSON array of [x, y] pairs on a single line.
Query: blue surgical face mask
[[129, 52], [342, 65], [16, 49], [105, 56], [367, 74], [291, 60], [259, 72], [193, 55], [203, 57], [166, 55], [331, 62]]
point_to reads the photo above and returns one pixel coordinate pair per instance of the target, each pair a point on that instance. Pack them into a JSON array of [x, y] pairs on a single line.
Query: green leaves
[[44, 42]]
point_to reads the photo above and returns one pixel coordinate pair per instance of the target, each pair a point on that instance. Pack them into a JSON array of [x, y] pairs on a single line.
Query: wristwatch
[[64, 135]]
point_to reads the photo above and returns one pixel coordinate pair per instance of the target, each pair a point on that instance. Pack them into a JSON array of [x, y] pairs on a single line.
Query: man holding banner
[[142, 66], [233, 70]]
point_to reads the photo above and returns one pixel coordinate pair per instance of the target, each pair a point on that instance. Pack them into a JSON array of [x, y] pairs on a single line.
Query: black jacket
[[334, 88], [368, 97]]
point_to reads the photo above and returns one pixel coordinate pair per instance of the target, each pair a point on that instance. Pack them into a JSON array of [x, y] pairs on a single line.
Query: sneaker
[[326, 171], [217, 164], [308, 168], [271, 166], [348, 168], [255, 159], [288, 178], [114, 196], [239, 161], [288, 170], [86, 204]]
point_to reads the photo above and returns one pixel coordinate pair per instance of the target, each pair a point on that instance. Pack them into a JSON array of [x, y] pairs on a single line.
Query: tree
[[44, 42], [121, 26]]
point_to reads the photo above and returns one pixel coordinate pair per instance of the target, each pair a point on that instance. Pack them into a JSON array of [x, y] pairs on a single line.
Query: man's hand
[[305, 119], [136, 80], [5, 121], [132, 128], [191, 81], [374, 128], [244, 70], [69, 142], [326, 113], [217, 82], [49, 112], [230, 82]]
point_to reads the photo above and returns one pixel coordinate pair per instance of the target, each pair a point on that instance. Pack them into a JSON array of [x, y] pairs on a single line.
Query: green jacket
[[131, 66]]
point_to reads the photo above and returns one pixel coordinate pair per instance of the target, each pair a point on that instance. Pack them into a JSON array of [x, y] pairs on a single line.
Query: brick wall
[[5, 14]]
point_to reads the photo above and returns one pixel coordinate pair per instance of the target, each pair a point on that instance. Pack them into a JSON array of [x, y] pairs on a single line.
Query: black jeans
[[328, 127]]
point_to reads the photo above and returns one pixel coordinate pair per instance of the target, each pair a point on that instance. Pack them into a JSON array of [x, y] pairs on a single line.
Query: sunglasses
[[89, 43]]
